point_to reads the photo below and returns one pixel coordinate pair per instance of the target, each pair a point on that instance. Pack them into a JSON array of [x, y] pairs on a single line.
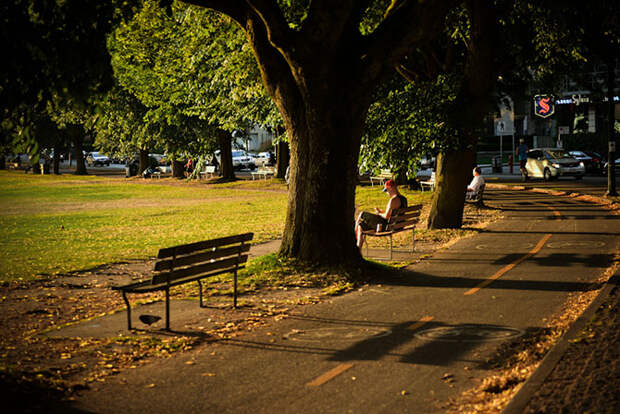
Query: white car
[[97, 159], [262, 158], [242, 160], [551, 163]]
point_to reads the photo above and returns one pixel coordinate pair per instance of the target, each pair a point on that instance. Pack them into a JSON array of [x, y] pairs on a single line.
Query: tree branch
[[407, 23], [278, 31]]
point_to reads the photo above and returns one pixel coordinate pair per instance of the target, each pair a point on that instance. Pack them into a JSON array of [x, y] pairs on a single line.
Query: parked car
[[551, 163], [263, 158], [97, 159], [598, 161], [583, 157], [242, 160]]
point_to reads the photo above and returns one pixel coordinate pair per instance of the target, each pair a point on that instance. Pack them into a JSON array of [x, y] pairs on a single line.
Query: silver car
[[551, 163]]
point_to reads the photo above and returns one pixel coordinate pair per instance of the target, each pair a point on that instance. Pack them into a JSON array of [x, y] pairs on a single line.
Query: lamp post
[[611, 167]]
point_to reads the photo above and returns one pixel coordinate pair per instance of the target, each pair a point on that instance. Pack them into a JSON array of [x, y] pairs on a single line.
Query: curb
[[518, 403]]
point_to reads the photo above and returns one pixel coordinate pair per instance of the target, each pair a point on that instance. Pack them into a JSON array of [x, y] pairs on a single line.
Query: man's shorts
[[522, 163], [369, 221]]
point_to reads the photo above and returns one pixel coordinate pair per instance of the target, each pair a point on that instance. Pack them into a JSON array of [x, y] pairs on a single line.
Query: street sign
[[544, 105]]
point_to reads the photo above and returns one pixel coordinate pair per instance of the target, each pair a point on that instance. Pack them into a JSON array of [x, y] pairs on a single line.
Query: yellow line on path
[[329, 375], [509, 267], [420, 323]]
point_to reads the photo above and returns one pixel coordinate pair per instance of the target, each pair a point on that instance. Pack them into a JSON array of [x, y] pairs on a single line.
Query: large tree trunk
[[453, 173], [143, 161], [283, 156], [472, 104], [226, 165], [323, 173], [178, 170], [77, 137], [321, 78]]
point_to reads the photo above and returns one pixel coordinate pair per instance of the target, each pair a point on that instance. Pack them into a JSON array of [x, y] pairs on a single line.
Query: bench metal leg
[[167, 309], [200, 293], [128, 310], [235, 291]]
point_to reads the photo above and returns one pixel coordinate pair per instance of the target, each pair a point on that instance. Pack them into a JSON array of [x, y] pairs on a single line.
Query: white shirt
[[475, 184]]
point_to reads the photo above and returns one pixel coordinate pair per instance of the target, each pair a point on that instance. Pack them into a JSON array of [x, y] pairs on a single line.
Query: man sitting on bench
[[476, 183], [378, 221]]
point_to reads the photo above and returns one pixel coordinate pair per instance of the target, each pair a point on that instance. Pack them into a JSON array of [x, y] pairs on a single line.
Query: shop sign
[[544, 106]]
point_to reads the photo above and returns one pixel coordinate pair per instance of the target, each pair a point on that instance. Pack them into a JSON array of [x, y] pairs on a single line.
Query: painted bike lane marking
[[512, 265]]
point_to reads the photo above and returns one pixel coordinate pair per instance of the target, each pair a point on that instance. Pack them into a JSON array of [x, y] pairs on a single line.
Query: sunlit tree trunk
[[226, 166]]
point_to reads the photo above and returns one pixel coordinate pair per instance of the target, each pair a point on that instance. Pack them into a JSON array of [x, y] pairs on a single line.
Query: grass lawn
[[59, 224]]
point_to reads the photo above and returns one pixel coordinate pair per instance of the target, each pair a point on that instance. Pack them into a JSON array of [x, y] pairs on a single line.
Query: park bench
[[263, 172], [192, 262], [208, 172], [476, 198], [401, 220], [382, 177], [430, 183]]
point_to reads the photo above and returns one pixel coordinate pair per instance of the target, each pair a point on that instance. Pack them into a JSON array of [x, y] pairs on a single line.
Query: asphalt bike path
[[406, 345]]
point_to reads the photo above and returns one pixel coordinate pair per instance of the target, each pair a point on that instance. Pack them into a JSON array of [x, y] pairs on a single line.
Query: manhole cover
[[337, 334], [469, 333]]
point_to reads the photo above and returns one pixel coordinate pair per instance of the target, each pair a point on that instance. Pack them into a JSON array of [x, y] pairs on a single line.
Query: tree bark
[[226, 165], [283, 156], [449, 196], [77, 137], [177, 169], [143, 160]]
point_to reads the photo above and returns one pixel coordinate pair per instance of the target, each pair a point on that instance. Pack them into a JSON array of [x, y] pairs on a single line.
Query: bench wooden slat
[[198, 269], [146, 286], [203, 256], [203, 245]]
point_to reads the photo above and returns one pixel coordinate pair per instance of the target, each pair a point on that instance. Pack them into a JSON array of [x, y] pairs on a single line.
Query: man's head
[[477, 171], [522, 141], [390, 186]]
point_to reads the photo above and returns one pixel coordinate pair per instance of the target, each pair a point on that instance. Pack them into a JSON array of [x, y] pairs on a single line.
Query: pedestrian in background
[[521, 153]]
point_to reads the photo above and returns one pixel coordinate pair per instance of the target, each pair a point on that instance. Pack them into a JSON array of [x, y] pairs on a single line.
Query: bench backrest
[[386, 172], [404, 218], [202, 259], [210, 169]]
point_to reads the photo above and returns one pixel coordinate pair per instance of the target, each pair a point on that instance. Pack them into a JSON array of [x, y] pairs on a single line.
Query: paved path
[[407, 345]]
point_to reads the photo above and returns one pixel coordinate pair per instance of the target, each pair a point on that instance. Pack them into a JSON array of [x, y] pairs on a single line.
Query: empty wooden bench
[[383, 176], [263, 172], [430, 183], [208, 172], [401, 220], [192, 262]]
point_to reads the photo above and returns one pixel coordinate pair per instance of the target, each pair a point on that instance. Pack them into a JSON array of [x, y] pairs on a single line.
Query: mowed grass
[[59, 224]]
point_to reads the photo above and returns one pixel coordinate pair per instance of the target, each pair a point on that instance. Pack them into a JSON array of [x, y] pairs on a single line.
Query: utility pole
[[611, 167]]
